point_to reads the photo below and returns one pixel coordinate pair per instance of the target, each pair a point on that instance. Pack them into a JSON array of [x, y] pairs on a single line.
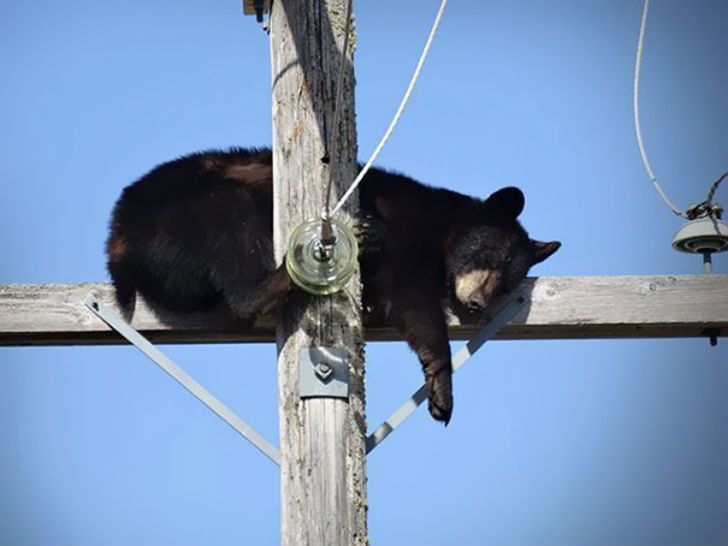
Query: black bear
[[197, 232]]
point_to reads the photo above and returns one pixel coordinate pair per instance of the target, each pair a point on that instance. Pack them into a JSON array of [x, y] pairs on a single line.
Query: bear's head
[[491, 253]]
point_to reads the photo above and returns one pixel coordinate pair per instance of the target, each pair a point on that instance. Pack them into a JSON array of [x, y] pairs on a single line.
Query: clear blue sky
[[552, 443]]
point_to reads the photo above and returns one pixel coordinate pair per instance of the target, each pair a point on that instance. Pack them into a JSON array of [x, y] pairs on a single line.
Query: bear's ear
[[542, 250], [506, 204]]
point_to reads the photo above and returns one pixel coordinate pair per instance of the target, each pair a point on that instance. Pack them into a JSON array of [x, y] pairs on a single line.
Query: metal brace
[[179, 375], [323, 372], [506, 313]]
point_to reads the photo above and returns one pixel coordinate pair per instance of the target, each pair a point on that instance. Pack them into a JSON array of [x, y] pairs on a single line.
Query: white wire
[[397, 115], [636, 111]]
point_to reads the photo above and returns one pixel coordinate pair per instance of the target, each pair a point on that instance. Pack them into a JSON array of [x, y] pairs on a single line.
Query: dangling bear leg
[[422, 323]]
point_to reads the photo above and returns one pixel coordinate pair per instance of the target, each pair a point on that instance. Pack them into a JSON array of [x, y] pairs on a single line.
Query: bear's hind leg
[[124, 288], [267, 296]]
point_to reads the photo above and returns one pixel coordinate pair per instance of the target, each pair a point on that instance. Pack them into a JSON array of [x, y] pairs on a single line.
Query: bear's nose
[[476, 305]]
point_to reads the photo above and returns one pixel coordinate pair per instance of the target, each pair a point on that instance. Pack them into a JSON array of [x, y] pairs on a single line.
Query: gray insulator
[[700, 236]]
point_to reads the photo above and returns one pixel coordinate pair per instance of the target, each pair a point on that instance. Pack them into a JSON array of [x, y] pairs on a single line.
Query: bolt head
[[324, 371]]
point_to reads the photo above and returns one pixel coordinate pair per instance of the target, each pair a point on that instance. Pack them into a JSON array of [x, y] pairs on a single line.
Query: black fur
[[196, 232]]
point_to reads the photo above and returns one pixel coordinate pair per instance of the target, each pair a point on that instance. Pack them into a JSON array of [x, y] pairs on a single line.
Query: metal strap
[[179, 375], [506, 313]]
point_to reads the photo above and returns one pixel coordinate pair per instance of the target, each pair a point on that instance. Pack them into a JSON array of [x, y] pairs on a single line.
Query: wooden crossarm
[[561, 308]]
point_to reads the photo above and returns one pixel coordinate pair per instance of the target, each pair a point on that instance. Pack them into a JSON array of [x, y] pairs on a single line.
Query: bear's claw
[[440, 414], [440, 402]]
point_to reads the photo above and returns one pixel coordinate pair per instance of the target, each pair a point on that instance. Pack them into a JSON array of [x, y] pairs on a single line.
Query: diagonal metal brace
[[506, 313], [179, 375]]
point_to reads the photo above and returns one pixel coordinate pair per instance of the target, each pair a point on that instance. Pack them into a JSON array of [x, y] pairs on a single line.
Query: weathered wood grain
[[54, 314], [561, 308], [323, 480]]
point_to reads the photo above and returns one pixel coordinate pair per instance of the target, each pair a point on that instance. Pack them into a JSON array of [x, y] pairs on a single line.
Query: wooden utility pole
[[323, 480]]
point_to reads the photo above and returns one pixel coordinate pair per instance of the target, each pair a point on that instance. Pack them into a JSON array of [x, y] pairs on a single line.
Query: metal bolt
[[323, 371]]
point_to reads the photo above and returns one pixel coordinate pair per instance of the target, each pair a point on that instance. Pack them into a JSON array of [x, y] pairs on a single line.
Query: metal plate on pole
[[323, 372]]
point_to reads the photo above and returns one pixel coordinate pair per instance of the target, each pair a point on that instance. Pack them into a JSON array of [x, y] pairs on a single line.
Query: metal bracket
[[256, 7], [506, 313], [179, 375], [323, 372]]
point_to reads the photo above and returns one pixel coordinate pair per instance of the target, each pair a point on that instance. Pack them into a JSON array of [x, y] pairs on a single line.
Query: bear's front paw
[[440, 400]]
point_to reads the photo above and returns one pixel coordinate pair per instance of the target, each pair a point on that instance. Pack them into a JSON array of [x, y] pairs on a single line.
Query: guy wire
[[636, 111], [397, 115]]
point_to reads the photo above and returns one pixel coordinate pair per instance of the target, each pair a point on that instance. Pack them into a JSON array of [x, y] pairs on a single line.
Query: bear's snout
[[476, 288]]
